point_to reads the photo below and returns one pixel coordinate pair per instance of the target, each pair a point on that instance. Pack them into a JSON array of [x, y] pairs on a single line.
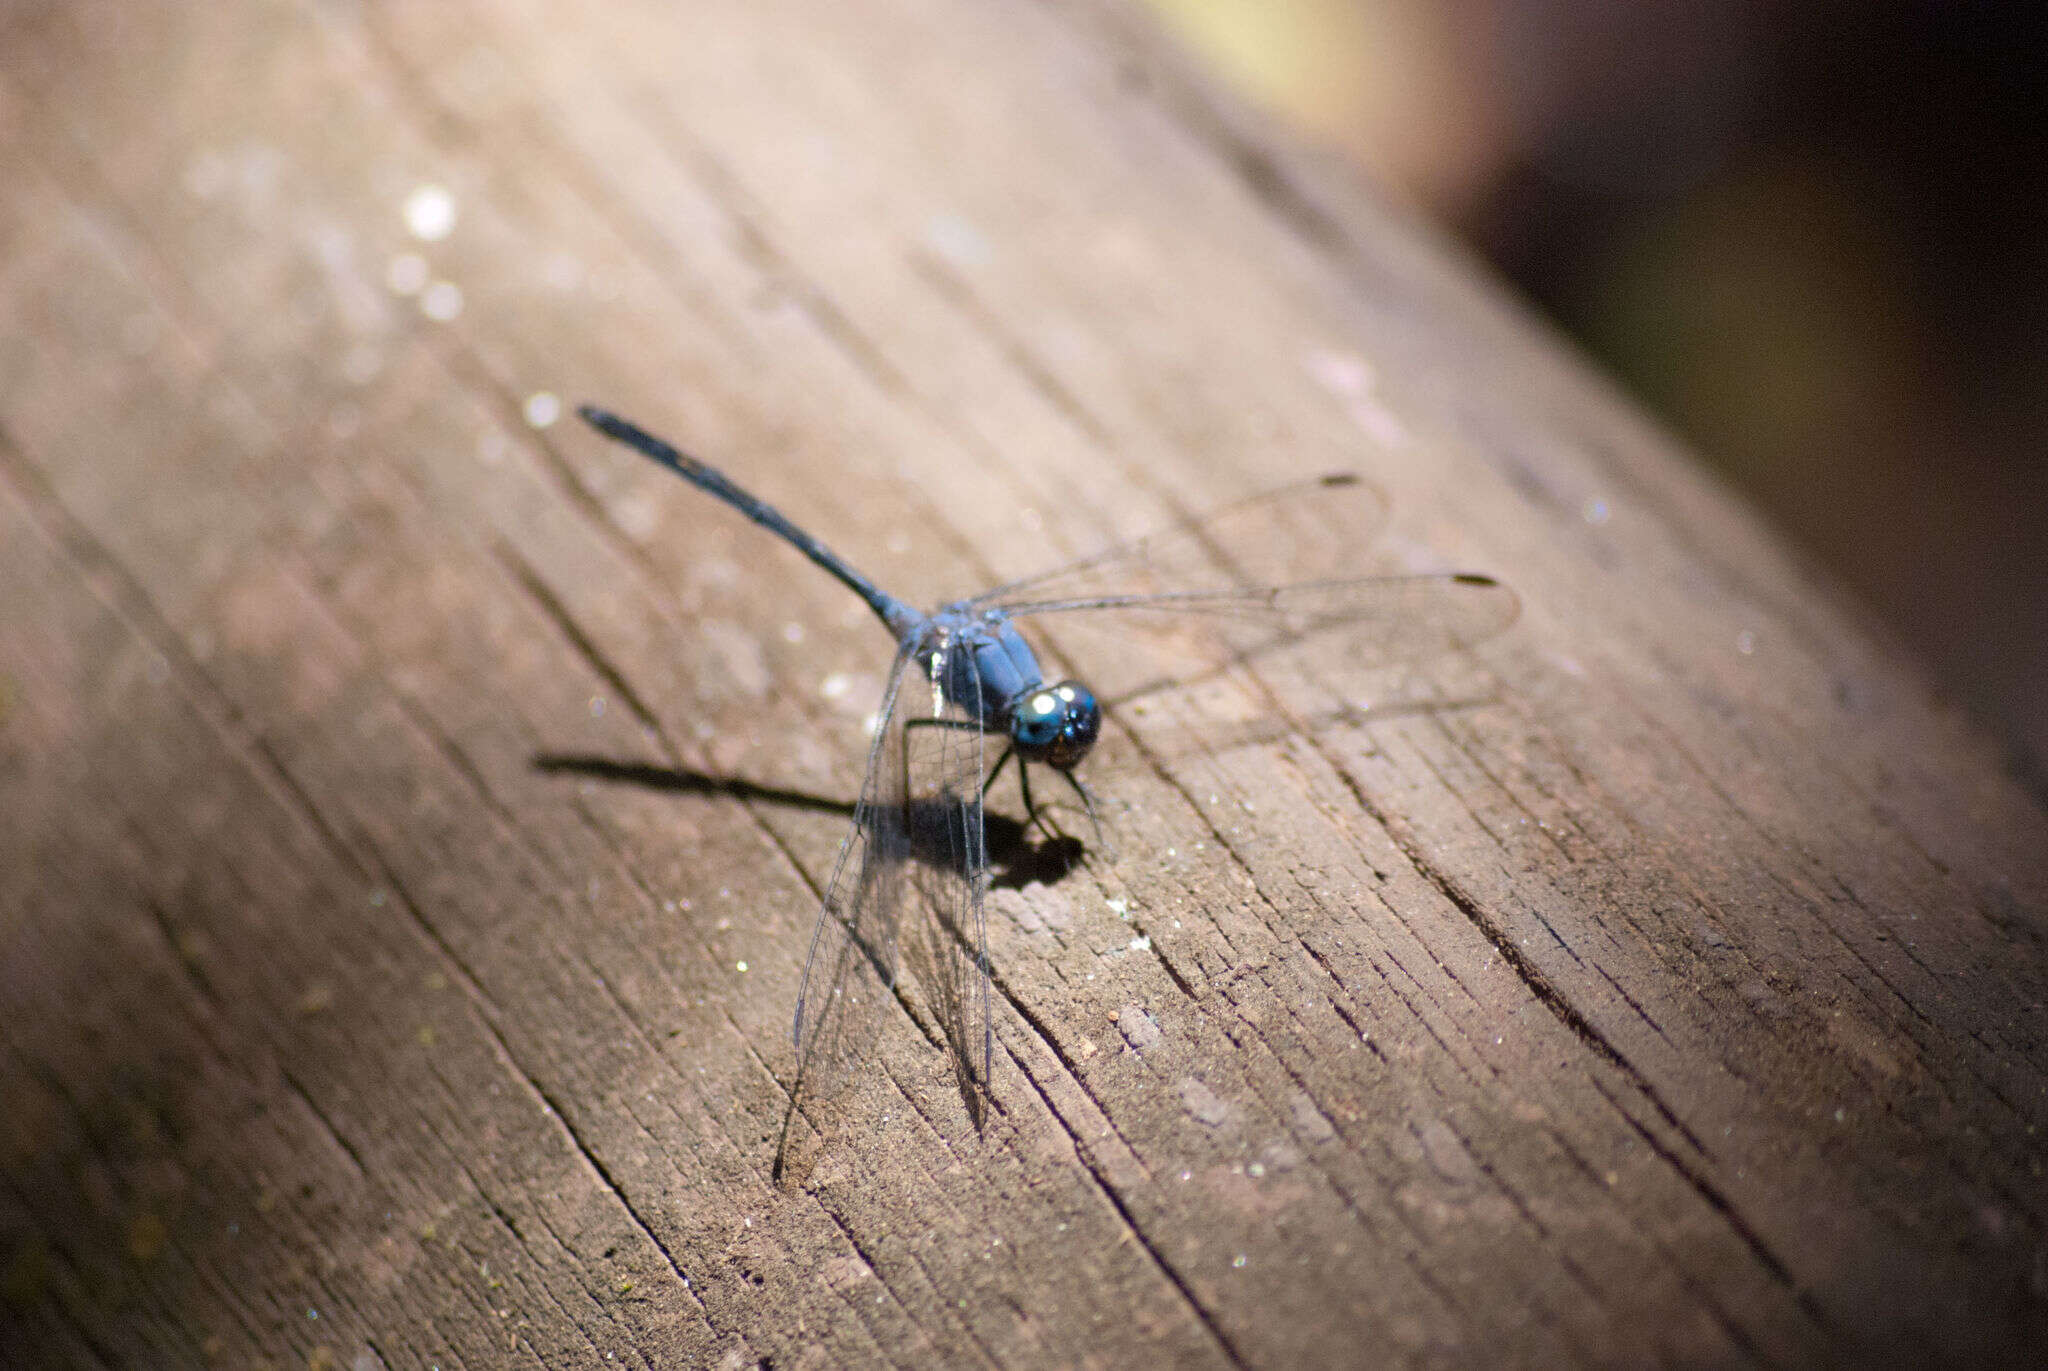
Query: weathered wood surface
[[1681, 1002]]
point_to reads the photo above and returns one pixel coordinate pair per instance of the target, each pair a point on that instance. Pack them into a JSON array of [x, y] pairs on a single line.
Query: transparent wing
[[1307, 530], [1258, 620], [909, 878], [1191, 680], [1339, 628], [947, 755], [850, 970], [1196, 675], [1280, 572]]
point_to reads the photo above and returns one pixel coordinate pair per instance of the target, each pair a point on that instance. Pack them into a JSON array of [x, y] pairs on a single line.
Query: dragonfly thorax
[[1055, 724]]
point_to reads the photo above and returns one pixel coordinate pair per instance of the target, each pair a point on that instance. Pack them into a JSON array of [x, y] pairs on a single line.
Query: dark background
[[1809, 233]]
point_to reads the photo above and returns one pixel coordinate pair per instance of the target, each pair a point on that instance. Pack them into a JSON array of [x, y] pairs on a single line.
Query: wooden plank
[[413, 816]]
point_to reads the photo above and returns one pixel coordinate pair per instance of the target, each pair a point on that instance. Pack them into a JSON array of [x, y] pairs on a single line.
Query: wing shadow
[[1016, 858]]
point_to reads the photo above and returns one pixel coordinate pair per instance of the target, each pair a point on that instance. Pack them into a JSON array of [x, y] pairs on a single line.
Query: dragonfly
[[964, 683]]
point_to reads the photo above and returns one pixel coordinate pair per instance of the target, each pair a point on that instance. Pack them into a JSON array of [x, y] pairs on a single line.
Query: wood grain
[[411, 815]]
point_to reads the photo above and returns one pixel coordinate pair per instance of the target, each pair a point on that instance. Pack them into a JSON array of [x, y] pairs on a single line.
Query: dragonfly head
[[1055, 724]]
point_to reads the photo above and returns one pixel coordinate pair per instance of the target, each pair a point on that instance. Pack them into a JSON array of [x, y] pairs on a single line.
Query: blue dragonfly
[[964, 682]]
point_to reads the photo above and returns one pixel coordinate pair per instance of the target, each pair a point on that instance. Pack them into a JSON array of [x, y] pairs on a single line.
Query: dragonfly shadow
[[1016, 858], [682, 781]]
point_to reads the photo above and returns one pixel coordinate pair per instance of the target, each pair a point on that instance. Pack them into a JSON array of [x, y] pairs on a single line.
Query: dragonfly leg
[[922, 721], [1024, 786], [1047, 824], [1088, 803]]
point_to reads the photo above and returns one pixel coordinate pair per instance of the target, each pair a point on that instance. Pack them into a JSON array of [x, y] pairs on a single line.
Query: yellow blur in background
[[1807, 232]]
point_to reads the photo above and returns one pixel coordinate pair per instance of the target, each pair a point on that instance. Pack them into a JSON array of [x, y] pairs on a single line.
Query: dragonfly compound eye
[[1056, 724]]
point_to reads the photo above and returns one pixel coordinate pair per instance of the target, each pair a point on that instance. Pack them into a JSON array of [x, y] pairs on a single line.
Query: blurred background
[[1808, 233]]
